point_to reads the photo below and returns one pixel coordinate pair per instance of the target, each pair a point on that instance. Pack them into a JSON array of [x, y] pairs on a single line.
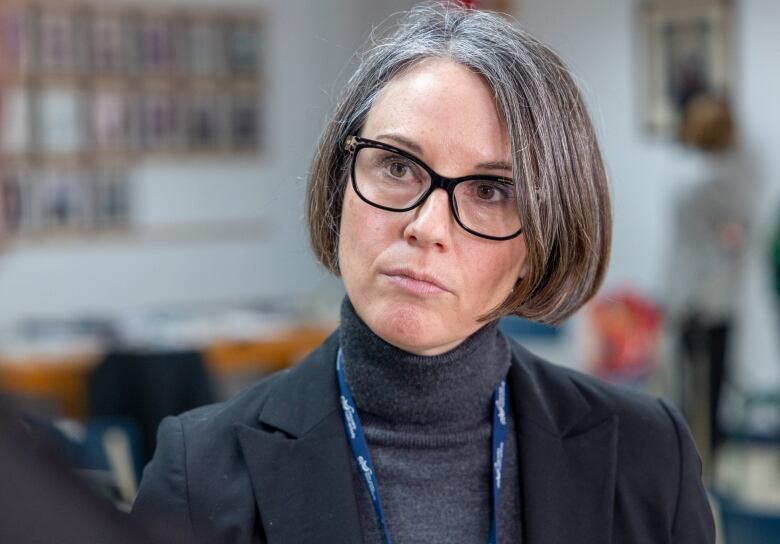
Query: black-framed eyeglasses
[[392, 179]]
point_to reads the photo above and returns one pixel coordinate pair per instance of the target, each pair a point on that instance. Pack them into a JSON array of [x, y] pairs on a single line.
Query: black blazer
[[599, 464]]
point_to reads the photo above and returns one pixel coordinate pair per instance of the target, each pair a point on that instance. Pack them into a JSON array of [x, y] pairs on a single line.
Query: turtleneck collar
[[454, 388]]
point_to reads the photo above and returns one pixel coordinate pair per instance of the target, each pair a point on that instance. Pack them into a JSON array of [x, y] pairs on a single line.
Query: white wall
[[308, 46], [758, 346], [599, 40]]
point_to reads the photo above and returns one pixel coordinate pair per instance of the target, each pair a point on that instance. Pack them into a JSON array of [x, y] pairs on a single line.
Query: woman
[[458, 181]]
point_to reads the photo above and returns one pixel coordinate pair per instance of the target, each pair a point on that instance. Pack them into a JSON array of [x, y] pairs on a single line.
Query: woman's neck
[[397, 386]]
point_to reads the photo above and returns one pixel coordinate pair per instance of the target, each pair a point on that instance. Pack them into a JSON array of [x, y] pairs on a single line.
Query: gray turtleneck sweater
[[428, 423]]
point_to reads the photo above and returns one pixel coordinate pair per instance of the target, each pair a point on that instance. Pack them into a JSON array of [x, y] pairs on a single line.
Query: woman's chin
[[413, 329]]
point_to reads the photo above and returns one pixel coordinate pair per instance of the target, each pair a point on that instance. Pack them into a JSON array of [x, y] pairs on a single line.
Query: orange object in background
[[627, 329]]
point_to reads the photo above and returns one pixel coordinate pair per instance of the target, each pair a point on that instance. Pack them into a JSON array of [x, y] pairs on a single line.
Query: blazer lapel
[[299, 460], [568, 458]]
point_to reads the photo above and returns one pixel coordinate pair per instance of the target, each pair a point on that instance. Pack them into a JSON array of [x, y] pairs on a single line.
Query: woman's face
[[416, 278]]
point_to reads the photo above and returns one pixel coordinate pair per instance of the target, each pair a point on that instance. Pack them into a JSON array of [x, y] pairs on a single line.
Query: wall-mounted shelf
[[92, 90]]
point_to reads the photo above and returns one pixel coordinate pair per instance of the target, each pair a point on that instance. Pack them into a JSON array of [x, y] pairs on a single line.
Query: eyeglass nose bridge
[[440, 182], [448, 185]]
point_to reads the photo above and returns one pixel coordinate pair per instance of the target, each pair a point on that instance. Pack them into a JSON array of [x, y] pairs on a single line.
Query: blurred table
[[64, 380], [268, 355]]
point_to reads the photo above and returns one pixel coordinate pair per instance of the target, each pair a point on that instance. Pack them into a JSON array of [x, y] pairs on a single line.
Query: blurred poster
[[157, 45], [160, 122], [109, 44], [15, 115], [61, 201], [244, 122], [60, 120], [242, 47], [13, 200], [57, 39], [111, 120], [686, 52], [205, 47], [111, 199], [203, 126], [15, 43], [502, 6]]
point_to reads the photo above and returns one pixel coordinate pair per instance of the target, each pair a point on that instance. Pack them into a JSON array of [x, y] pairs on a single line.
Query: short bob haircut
[[561, 184]]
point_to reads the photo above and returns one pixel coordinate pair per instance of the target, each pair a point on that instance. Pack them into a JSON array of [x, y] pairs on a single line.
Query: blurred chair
[[743, 524], [148, 386]]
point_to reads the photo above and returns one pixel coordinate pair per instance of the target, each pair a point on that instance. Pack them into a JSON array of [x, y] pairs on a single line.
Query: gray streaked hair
[[563, 196]]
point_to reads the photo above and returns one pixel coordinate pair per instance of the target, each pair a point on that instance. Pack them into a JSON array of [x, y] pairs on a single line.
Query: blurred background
[[153, 159]]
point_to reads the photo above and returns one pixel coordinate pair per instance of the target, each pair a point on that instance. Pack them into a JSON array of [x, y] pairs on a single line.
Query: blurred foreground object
[[42, 502]]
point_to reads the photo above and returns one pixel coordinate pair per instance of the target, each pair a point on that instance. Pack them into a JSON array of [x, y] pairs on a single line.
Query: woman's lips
[[416, 284]]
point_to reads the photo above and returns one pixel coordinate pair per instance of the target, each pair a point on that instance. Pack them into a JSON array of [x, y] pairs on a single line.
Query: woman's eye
[[398, 169], [486, 192]]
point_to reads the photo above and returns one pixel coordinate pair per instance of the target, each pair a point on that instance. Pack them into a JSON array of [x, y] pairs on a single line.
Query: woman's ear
[[523, 271]]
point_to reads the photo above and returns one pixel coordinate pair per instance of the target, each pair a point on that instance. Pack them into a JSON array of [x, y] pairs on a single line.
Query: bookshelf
[[90, 91]]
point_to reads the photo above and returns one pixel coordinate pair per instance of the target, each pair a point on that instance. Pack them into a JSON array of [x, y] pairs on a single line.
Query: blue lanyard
[[357, 441]]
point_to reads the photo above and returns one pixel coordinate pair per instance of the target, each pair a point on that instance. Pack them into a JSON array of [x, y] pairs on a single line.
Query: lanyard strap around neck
[[357, 441]]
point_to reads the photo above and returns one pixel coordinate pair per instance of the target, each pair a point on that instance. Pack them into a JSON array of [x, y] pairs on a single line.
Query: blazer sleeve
[[162, 503], [692, 522]]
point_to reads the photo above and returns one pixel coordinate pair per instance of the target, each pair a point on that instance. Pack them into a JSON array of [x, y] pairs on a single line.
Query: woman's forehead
[[445, 108]]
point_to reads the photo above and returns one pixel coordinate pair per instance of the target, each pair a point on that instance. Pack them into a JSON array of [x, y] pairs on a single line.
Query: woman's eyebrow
[[495, 165], [404, 141], [414, 147]]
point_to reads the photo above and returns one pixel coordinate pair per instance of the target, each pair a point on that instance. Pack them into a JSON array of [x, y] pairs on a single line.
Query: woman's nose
[[431, 223]]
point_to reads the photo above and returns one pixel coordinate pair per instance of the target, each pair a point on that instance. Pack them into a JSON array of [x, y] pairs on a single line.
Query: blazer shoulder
[[246, 407], [657, 461], [651, 433], [198, 477], [197, 480], [241, 408], [603, 399]]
